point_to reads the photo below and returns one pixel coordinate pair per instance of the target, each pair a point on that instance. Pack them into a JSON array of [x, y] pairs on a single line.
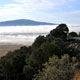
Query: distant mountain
[[23, 22]]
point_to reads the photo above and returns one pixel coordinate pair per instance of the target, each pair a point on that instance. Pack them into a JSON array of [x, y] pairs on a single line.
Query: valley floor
[[4, 48]]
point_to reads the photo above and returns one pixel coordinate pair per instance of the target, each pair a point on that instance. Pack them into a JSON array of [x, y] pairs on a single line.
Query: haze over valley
[[25, 35]]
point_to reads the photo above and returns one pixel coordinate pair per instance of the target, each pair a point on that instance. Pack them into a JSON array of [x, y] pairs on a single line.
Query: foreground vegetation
[[54, 57]]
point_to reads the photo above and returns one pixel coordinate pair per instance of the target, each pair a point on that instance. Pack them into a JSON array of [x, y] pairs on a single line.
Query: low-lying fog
[[25, 35]]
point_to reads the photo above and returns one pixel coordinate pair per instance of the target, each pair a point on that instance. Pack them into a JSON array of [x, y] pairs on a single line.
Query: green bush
[[57, 69]]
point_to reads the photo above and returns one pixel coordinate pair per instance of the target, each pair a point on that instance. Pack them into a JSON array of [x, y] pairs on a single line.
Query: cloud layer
[[26, 35]]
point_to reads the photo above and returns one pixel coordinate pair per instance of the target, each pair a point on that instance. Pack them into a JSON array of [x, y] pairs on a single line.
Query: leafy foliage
[[57, 69], [60, 32], [39, 40], [73, 34], [24, 63]]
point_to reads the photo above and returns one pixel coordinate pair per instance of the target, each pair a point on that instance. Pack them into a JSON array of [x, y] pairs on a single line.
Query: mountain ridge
[[24, 22]]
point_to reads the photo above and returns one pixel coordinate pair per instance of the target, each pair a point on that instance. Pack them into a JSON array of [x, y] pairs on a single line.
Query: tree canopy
[[57, 69], [55, 50], [73, 34]]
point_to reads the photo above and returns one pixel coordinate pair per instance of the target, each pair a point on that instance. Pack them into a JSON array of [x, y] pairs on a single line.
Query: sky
[[54, 11]]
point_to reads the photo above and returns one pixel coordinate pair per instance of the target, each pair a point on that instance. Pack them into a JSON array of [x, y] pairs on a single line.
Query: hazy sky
[[56, 11]]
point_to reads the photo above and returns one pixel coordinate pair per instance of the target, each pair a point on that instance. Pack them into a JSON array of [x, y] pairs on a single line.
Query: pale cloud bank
[[27, 34]]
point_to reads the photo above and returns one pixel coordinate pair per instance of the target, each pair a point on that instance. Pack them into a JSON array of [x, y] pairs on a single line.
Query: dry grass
[[77, 75], [7, 47]]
